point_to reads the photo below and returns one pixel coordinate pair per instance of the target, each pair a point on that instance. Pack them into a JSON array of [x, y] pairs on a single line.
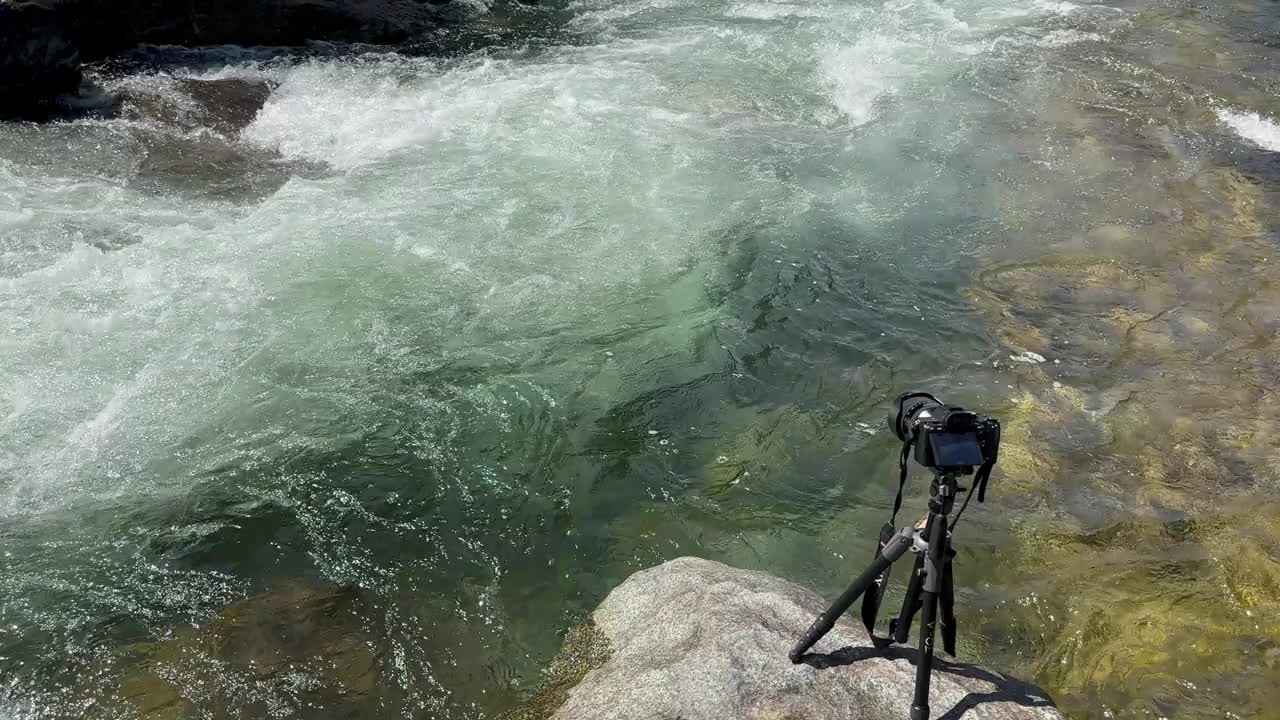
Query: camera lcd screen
[[952, 449]]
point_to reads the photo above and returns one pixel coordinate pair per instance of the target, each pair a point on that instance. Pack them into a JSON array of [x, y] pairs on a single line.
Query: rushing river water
[[473, 338]]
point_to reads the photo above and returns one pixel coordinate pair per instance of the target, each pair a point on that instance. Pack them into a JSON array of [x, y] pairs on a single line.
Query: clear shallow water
[[508, 326]]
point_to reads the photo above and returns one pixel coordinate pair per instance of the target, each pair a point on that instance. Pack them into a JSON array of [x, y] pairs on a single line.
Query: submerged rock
[[303, 648], [697, 639], [213, 168]]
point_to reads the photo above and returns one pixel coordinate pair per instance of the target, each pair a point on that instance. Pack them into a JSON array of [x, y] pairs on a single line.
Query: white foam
[[1057, 8], [774, 10], [609, 12], [863, 74], [1062, 38], [1261, 131], [349, 114], [874, 58], [1030, 9]]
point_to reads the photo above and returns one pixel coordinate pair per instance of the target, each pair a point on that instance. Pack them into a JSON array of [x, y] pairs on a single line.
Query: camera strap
[[874, 595], [984, 472], [902, 480]]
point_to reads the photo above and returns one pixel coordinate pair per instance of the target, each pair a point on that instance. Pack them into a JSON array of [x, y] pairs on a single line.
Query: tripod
[[929, 586]]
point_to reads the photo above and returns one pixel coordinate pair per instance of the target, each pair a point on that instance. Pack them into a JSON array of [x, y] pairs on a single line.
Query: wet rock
[[304, 645], [697, 639], [210, 167], [39, 56], [224, 106], [187, 134], [227, 105]]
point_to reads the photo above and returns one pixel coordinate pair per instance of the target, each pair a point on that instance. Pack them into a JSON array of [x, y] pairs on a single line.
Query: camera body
[[946, 438]]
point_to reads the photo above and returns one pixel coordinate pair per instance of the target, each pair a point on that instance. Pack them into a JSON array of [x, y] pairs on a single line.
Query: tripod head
[[942, 491]]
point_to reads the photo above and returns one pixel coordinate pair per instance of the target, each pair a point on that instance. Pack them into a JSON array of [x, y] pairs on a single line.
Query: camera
[[946, 438], [952, 442]]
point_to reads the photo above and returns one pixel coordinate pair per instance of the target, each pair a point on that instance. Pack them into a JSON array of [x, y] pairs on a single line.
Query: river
[[475, 336]]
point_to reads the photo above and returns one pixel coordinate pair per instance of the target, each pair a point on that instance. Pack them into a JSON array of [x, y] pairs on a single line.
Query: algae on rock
[[585, 648]]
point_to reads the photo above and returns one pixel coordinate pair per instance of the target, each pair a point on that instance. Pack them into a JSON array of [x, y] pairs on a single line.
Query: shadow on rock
[[1005, 689]]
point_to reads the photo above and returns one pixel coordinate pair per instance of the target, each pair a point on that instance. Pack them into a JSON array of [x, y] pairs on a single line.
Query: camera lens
[[903, 414]]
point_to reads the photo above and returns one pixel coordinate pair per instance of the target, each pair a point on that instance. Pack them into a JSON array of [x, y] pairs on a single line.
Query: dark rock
[[229, 105], [224, 106], [39, 56], [42, 42], [116, 25], [696, 639]]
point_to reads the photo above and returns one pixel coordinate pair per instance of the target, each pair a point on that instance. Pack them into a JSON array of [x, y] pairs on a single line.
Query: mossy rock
[[1125, 610]]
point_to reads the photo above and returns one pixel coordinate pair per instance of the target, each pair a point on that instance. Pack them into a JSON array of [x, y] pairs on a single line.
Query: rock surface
[[696, 639]]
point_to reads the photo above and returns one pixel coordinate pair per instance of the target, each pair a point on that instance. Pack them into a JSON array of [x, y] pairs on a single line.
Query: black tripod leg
[[934, 558], [947, 606], [827, 620]]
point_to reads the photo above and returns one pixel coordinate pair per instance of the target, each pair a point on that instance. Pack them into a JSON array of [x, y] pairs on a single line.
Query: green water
[[634, 283]]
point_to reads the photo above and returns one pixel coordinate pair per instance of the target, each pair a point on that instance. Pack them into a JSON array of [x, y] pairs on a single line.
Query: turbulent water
[[476, 337]]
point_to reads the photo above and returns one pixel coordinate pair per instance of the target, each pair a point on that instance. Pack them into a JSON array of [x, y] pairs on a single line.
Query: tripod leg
[[947, 605], [934, 558], [827, 620]]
